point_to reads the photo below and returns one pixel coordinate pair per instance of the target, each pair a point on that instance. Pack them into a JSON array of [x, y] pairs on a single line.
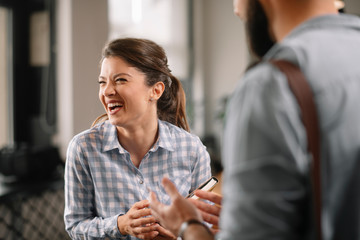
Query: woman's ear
[[157, 90]]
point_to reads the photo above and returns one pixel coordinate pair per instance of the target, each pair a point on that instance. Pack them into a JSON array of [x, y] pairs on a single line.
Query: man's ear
[[157, 90]]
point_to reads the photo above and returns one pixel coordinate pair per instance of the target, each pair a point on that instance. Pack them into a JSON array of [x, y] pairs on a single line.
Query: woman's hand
[[210, 213], [138, 222]]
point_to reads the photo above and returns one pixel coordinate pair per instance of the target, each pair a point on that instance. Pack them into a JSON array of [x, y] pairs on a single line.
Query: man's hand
[[164, 234], [172, 216]]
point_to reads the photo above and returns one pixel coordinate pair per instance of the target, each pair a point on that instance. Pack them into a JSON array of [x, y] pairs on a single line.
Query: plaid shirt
[[102, 183]]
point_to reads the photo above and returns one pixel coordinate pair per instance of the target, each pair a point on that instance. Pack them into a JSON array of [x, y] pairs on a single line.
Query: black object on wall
[[34, 93], [34, 82]]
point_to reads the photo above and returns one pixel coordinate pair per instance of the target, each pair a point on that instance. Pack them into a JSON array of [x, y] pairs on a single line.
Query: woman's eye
[[120, 80]]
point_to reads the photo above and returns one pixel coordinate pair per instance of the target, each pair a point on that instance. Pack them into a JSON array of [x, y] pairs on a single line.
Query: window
[[6, 112], [162, 21]]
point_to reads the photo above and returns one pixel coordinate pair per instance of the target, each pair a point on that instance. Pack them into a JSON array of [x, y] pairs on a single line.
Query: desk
[[32, 209]]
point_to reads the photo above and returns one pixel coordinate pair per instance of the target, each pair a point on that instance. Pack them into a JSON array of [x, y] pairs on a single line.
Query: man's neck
[[287, 15]]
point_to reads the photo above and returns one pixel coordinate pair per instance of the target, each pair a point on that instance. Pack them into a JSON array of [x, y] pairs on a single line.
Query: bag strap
[[304, 96]]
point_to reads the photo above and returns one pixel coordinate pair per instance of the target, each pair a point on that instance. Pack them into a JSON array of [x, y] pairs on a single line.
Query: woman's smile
[[114, 107]]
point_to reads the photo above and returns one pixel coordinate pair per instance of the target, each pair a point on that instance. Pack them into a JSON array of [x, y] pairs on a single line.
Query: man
[[266, 163]]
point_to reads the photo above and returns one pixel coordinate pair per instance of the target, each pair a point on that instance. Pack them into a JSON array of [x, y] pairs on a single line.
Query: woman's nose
[[109, 90]]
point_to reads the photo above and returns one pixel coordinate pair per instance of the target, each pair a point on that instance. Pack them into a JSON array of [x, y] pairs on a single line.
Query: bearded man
[[266, 187]]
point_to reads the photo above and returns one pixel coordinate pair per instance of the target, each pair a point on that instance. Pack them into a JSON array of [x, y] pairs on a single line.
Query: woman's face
[[123, 93]]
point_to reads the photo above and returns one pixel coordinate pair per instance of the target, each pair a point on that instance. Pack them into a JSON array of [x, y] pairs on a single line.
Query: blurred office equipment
[[28, 80], [31, 185]]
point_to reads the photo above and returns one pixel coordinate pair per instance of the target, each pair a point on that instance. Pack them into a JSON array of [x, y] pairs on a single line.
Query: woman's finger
[[140, 213], [148, 235], [145, 221], [155, 205], [206, 207], [212, 219], [210, 196], [141, 204]]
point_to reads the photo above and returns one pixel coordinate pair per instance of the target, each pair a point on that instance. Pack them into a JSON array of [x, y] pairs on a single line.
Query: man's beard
[[257, 27]]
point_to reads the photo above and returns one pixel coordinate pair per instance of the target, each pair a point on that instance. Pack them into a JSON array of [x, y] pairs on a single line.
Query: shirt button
[[141, 181]]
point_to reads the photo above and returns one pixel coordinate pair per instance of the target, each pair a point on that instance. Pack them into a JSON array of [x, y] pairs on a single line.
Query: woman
[[112, 167]]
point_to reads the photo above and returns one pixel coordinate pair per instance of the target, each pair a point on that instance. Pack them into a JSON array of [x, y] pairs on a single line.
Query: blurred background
[[49, 66]]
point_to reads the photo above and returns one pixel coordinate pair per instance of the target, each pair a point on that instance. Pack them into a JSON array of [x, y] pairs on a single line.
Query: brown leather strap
[[304, 96]]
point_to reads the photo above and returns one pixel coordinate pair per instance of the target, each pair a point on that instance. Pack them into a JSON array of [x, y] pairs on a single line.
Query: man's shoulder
[[259, 75]]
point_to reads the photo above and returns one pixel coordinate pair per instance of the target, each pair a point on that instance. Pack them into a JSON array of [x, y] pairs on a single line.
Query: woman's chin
[[114, 121]]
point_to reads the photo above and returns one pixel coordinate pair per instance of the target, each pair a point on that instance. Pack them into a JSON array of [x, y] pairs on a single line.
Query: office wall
[[225, 56], [4, 121], [82, 33], [352, 6]]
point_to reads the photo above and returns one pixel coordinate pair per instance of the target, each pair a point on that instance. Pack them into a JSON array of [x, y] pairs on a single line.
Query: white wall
[[352, 6], [82, 33], [4, 121], [225, 57]]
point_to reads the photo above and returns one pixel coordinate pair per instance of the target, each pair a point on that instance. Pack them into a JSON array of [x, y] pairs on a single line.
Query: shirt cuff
[[112, 229]]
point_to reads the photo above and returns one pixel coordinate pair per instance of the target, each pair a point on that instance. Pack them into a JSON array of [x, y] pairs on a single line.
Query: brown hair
[[149, 58]]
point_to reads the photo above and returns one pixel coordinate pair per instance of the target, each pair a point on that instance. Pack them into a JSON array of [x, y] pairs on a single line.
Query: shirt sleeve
[[265, 161], [80, 217]]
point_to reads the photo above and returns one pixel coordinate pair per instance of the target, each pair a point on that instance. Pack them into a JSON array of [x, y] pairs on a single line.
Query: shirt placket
[[141, 181]]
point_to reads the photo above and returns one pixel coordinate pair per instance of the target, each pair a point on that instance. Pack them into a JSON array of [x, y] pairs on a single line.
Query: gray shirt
[[266, 179]]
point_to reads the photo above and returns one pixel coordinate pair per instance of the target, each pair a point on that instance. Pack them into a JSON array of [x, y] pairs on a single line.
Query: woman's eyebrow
[[116, 75], [120, 74]]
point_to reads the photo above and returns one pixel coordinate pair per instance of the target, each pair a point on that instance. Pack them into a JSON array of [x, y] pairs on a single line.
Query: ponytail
[[172, 104], [100, 119]]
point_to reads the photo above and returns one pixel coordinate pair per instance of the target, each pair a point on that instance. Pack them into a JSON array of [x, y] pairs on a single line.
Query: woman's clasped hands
[[138, 222]]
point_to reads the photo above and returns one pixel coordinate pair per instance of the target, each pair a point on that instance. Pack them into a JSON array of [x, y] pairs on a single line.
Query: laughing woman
[[112, 167]]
